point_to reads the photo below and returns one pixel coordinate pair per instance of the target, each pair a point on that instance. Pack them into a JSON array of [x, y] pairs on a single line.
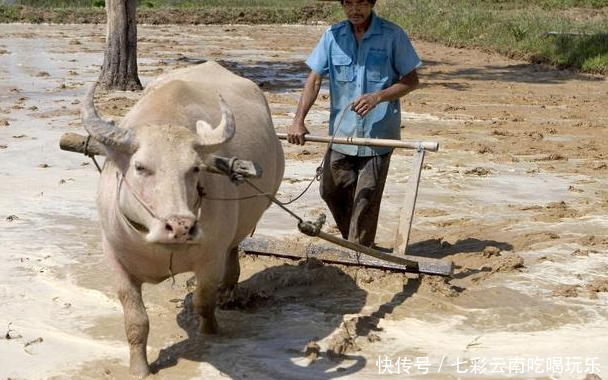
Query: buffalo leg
[[136, 321], [233, 269], [136, 328], [204, 300]]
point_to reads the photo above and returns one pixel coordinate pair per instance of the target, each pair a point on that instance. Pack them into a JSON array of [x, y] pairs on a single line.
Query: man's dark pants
[[352, 187]]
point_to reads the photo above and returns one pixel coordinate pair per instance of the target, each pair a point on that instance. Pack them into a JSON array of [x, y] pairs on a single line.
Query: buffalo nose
[[180, 228]]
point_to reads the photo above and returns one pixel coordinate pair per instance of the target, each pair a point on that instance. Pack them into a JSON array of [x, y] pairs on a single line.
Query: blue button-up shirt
[[384, 55]]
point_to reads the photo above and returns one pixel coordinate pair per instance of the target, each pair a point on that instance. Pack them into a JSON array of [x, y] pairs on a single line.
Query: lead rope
[[311, 229], [319, 170], [317, 177], [92, 156], [171, 270]]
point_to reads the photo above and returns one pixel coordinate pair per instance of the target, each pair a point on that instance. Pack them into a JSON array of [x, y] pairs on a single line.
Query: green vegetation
[[8, 13], [563, 33], [174, 3]]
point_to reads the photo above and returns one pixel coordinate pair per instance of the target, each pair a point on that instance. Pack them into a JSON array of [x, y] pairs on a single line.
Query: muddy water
[[516, 198]]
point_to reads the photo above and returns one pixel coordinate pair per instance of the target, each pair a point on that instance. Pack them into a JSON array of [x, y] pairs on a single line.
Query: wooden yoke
[[237, 169]]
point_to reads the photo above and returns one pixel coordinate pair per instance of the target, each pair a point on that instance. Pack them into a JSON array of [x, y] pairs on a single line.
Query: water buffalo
[[156, 207]]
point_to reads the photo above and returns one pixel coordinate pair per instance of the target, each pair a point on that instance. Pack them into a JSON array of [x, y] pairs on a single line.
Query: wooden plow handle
[[426, 145]]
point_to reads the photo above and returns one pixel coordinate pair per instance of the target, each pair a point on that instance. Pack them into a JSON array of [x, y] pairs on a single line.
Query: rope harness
[[306, 227], [138, 228], [236, 177], [91, 155]]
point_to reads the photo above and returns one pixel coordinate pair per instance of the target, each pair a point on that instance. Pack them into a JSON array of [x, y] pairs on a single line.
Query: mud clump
[[501, 132], [479, 171], [552, 157], [345, 340], [491, 251], [534, 135], [561, 210], [590, 290], [484, 149], [595, 287], [593, 241], [508, 263], [566, 291], [592, 376], [12, 218], [488, 265], [242, 298], [581, 253], [441, 285], [313, 351], [552, 212]]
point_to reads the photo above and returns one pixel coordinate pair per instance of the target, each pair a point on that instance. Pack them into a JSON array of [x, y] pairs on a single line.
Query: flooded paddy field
[[517, 198]]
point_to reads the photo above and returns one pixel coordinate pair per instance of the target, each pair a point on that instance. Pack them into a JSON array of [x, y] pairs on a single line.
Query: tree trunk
[[119, 70]]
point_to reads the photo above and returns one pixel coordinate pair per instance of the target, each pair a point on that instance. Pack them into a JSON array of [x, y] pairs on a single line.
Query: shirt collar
[[374, 26]]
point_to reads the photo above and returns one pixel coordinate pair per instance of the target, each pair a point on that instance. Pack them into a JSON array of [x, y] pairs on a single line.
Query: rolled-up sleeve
[[318, 59], [405, 56]]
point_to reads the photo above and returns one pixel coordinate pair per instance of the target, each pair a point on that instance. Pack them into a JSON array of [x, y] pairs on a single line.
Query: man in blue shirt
[[371, 64]]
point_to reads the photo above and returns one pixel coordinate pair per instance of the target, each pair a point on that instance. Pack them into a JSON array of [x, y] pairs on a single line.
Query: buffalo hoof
[[208, 326], [139, 370]]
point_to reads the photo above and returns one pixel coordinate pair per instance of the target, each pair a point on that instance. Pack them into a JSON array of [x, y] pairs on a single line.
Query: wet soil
[[516, 197]]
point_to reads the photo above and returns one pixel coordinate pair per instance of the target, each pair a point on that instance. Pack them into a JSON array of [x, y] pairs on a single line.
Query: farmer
[[371, 64]]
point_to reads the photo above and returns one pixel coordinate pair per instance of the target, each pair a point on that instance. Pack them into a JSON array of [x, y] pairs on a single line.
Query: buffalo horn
[[102, 130], [211, 138]]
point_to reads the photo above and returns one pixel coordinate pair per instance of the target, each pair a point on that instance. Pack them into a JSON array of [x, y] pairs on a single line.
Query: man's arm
[[367, 102], [296, 133]]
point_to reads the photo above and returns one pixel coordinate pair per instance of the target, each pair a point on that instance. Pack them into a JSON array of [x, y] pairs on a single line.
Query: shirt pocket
[[343, 67], [377, 65]]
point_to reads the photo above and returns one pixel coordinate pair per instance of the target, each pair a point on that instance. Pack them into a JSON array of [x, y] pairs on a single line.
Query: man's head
[[358, 11]]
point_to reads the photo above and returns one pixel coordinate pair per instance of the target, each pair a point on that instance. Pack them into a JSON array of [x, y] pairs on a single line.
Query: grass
[[548, 31], [563, 33], [8, 13], [174, 3]]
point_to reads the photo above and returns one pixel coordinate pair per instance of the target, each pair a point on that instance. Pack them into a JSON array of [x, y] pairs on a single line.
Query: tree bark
[[119, 70]]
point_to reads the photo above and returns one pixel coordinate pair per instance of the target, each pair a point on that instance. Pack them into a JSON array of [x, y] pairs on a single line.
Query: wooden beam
[[339, 255], [409, 203], [73, 142]]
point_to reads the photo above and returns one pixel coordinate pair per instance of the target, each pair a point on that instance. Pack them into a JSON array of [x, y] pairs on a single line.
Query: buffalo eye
[[139, 167], [196, 169]]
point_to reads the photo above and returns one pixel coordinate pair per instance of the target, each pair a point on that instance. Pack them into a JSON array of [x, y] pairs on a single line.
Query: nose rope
[[134, 193], [122, 179]]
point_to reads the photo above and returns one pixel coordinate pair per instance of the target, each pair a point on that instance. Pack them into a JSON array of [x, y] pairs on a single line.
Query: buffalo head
[[160, 181]]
